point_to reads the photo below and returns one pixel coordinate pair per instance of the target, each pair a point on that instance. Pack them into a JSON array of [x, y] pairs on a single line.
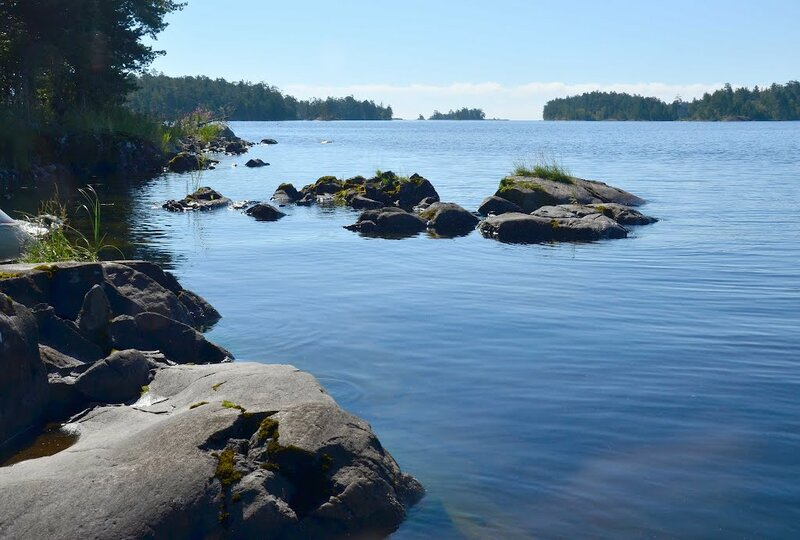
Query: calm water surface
[[638, 388]]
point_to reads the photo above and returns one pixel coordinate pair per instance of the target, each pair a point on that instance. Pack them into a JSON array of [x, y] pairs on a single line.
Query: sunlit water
[[647, 387]]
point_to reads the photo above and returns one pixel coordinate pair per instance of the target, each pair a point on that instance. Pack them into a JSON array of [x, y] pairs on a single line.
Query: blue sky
[[506, 56]]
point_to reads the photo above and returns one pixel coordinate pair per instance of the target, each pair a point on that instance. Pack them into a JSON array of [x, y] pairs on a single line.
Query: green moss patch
[[198, 404]]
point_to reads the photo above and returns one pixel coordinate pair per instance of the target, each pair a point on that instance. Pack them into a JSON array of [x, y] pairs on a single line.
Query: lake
[[646, 387]]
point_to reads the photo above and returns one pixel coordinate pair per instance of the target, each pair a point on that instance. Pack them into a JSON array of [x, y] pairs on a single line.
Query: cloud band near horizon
[[517, 102]]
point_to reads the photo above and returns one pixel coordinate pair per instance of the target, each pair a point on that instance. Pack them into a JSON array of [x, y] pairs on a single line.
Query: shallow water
[[646, 387]]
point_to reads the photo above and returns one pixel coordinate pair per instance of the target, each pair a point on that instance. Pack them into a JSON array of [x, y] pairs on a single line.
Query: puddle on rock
[[53, 439]]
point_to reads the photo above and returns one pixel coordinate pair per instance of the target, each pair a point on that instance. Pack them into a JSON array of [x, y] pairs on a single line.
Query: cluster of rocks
[[172, 440], [530, 209], [524, 209], [385, 189], [203, 198], [190, 153]]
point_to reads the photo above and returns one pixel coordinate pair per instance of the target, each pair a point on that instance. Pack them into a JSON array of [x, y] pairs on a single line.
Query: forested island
[[777, 102], [172, 97], [461, 114]]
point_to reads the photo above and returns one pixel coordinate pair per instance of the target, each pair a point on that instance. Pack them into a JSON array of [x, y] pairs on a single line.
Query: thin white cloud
[[516, 102]]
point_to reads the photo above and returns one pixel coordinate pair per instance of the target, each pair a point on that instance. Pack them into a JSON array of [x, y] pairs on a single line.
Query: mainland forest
[[171, 97], [776, 102]]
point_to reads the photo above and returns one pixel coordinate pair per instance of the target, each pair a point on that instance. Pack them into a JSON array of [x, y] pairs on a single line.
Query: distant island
[[461, 114], [777, 102], [172, 97]]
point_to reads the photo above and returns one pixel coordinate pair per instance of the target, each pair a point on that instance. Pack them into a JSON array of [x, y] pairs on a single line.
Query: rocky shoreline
[[173, 440]]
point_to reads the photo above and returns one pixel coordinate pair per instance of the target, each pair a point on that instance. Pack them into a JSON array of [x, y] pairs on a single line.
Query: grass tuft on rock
[[547, 169]]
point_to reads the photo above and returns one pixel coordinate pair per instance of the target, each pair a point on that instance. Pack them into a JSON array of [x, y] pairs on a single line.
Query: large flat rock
[[238, 450]]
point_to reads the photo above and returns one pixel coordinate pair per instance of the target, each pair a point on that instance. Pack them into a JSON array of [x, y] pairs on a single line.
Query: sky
[[508, 57]]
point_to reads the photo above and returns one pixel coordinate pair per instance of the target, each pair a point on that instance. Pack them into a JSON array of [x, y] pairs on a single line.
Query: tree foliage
[[59, 56], [461, 114], [778, 102], [171, 97]]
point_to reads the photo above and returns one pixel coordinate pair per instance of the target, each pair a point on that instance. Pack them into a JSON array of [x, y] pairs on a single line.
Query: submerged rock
[[235, 451]]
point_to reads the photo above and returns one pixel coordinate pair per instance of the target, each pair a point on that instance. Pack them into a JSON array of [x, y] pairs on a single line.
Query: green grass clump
[[545, 169], [66, 243], [231, 405], [226, 471]]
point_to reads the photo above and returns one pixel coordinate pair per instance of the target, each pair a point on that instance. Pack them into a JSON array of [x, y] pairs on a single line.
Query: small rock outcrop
[[204, 198], [390, 222], [269, 141], [264, 212], [255, 163], [530, 193]]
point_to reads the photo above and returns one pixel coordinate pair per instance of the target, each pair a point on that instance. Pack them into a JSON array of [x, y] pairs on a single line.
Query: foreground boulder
[[23, 385], [390, 222], [224, 451], [449, 219], [530, 193], [204, 198]]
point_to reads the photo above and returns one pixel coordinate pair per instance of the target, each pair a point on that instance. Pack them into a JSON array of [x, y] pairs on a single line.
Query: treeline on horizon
[[460, 114], [168, 98], [777, 102]]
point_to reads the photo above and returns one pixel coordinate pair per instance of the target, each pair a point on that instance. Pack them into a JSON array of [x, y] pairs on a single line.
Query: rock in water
[[530, 193], [449, 219], [252, 163], [264, 212], [225, 451]]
